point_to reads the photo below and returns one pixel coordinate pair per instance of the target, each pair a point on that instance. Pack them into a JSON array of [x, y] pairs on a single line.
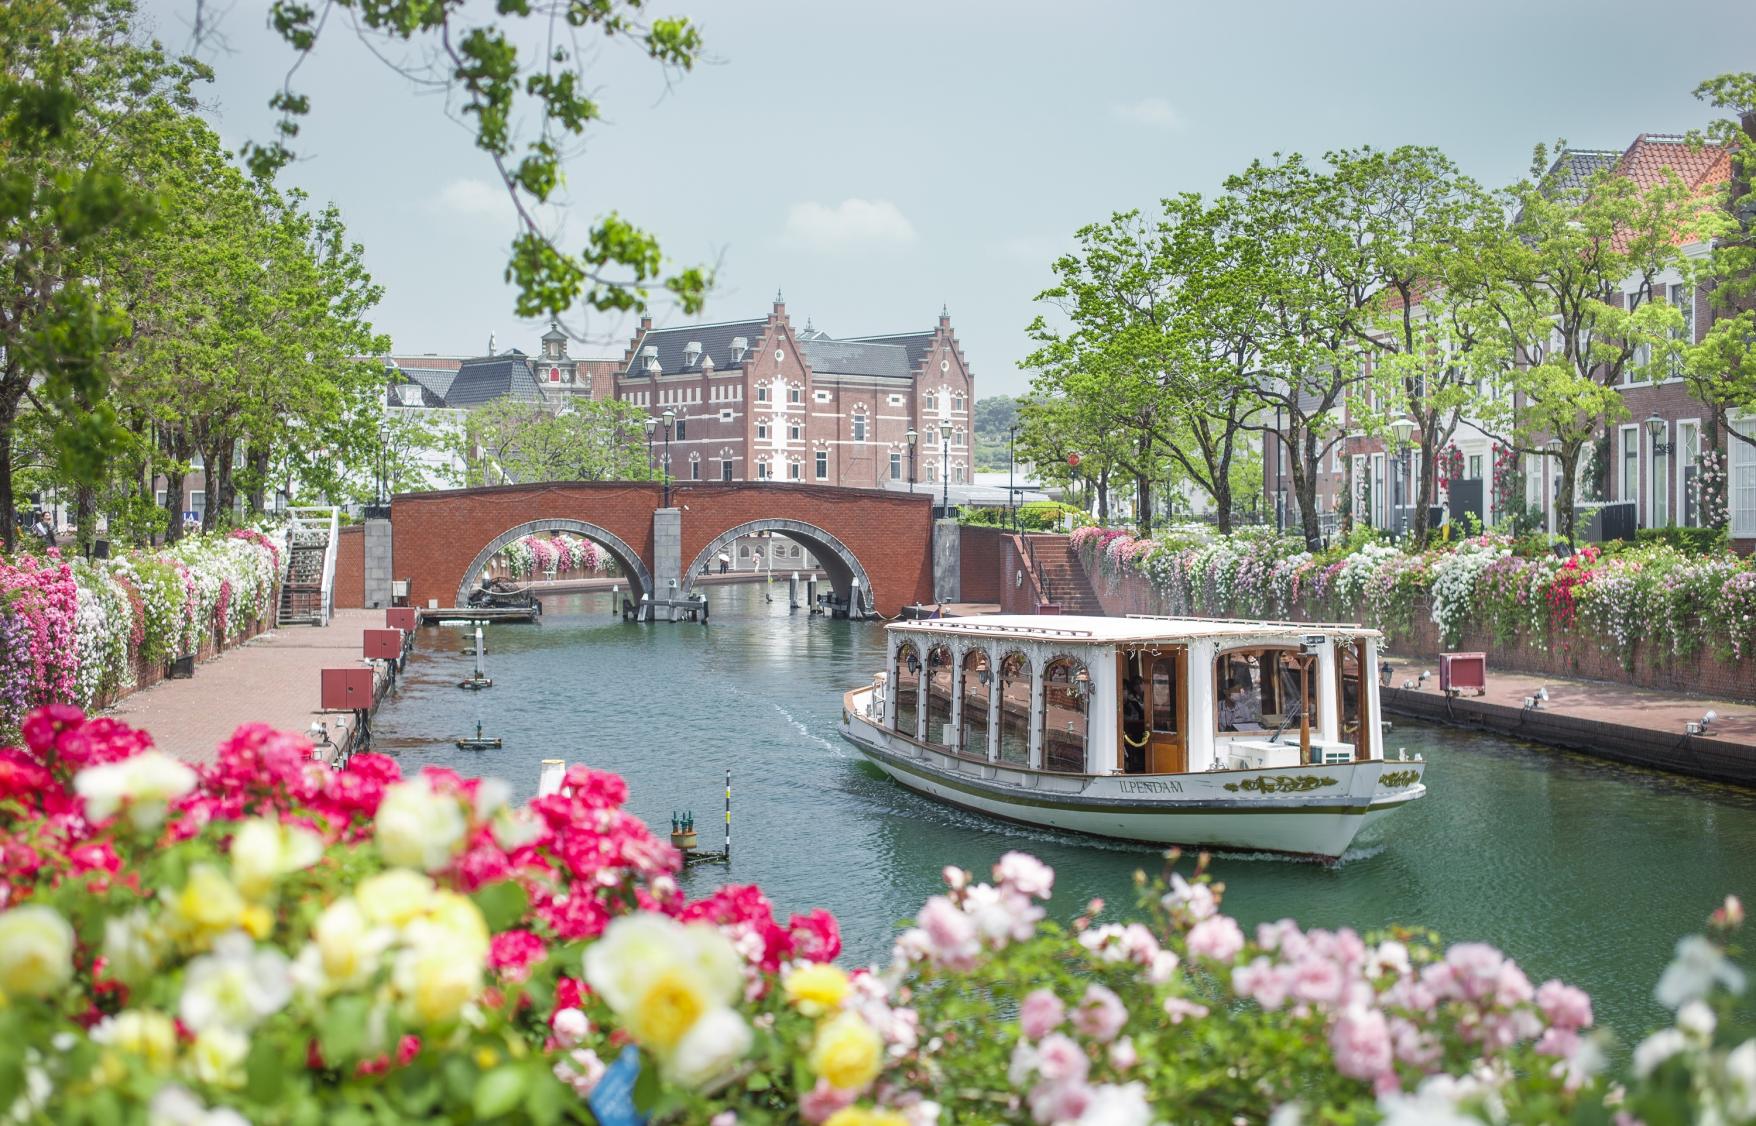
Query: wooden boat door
[[1164, 674], [1167, 699]]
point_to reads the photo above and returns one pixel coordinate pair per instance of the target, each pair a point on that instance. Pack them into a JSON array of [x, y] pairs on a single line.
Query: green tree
[[1576, 305], [513, 441]]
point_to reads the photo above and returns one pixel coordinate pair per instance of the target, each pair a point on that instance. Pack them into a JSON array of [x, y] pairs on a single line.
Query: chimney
[[944, 316], [740, 345], [691, 353]]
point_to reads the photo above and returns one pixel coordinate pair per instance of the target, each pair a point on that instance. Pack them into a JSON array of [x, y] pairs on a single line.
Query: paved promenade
[[271, 679]]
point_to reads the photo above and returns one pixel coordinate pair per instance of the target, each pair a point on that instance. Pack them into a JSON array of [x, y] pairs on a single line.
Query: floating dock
[[477, 614]]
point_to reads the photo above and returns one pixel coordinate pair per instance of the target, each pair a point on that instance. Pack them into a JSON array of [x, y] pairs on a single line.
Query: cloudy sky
[[877, 161]]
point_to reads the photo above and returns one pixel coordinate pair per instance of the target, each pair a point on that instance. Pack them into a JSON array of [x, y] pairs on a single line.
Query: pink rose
[[1564, 1006], [1101, 1014], [1060, 1060], [1216, 937], [1360, 1040], [1040, 1013]]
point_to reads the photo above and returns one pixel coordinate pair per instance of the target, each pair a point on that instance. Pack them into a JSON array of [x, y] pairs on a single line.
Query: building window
[[795, 431], [793, 470], [957, 437], [795, 394], [823, 465], [859, 428], [933, 472], [762, 430], [1683, 297], [1688, 469], [957, 474], [725, 416], [957, 402], [931, 401], [762, 471], [682, 425], [896, 467], [1475, 467], [725, 469], [1658, 503], [762, 392], [694, 469], [821, 396], [896, 400], [1630, 485], [1743, 479]]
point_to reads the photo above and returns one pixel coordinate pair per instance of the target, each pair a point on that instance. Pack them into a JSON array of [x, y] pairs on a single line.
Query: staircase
[[1061, 576], [306, 593]]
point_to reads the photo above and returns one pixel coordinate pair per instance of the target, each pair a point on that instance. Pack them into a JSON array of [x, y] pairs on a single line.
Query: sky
[[876, 162]]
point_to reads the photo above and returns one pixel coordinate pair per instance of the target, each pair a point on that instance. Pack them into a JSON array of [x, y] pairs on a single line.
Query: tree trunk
[[220, 501], [1143, 504], [1103, 496], [259, 480], [1305, 490], [1428, 462], [1222, 499], [1569, 458], [176, 444], [8, 525], [210, 485], [85, 518]]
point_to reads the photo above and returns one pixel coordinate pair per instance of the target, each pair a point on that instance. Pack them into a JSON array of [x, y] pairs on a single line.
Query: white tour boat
[[1190, 731]]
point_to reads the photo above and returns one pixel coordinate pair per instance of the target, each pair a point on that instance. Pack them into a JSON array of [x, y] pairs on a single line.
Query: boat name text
[[1138, 786]]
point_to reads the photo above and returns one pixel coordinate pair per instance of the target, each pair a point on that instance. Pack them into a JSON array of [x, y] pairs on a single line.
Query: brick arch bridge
[[441, 540]]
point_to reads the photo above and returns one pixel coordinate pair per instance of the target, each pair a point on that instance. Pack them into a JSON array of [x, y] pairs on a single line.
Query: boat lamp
[[1702, 726], [1312, 643]]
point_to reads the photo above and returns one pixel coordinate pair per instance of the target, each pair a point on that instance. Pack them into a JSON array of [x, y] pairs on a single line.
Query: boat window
[[1164, 695], [1260, 690], [1066, 692], [1015, 709], [908, 687], [977, 680], [1350, 659], [939, 672]]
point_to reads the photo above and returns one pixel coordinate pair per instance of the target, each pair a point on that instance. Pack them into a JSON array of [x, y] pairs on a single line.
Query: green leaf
[[499, 1091], [341, 1033], [502, 904], [647, 1088], [264, 1071]]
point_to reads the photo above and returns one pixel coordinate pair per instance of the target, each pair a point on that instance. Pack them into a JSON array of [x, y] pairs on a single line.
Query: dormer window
[[740, 345], [691, 353]]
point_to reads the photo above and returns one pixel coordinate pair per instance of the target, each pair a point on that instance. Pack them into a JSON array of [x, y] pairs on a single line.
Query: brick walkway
[[271, 679], [1658, 712]]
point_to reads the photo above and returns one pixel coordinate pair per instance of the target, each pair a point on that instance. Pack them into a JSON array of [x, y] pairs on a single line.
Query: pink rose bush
[[267, 938], [535, 556], [77, 632]]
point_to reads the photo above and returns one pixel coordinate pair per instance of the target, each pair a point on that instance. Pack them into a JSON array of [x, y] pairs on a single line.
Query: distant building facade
[[759, 400]]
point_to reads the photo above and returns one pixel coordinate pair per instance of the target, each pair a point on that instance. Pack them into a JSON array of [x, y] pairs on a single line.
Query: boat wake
[[810, 735]]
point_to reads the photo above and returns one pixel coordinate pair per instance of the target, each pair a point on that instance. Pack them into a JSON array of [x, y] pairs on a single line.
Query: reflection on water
[[1582, 870]]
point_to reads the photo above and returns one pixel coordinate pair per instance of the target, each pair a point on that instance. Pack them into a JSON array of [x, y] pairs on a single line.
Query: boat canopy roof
[[1080, 630]]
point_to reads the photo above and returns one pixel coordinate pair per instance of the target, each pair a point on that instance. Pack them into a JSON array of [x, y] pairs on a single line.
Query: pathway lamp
[[945, 464], [670, 421], [1655, 427], [1702, 725], [1404, 429], [651, 425], [913, 438]]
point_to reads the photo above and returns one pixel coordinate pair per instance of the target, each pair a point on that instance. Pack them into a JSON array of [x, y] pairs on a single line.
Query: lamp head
[[1654, 425], [1403, 428], [945, 429], [651, 425], [913, 436], [670, 416], [1709, 716]]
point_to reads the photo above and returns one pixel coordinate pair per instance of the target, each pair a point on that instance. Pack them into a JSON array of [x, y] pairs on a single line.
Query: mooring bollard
[[811, 593], [615, 598], [549, 781], [793, 591], [855, 610]]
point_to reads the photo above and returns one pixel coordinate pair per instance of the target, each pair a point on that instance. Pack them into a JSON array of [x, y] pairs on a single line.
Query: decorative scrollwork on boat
[[1398, 778], [1283, 783]]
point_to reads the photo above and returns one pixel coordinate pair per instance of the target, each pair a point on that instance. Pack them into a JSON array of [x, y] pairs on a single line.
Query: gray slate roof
[[1574, 168], [914, 343], [486, 378], [715, 340], [436, 380], [857, 357]]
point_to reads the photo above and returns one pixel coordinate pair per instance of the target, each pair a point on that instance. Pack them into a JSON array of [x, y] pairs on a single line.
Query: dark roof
[[857, 357], [1574, 168], [715, 340], [914, 343], [436, 380], [554, 333], [486, 378]]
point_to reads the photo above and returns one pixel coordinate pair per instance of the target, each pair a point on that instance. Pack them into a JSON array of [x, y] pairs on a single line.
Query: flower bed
[[268, 939], [561, 554], [82, 633], [1650, 597]]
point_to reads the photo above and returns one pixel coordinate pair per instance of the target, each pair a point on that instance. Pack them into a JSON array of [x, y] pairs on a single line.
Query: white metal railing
[[308, 526], [327, 596]]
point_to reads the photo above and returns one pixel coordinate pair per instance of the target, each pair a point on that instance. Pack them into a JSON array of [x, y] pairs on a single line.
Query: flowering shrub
[[1670, 601], [268, 939], [76, 631], [561, 554]]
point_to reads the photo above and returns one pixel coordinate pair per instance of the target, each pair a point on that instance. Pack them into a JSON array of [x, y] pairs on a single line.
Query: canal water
[[1582, 870]]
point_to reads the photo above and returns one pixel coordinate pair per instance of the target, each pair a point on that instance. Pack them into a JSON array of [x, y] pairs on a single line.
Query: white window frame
[[822, 465], [859, 426], [1628, 438], [1741, 473], [1682, 489], [895, 466], [1653, 492]]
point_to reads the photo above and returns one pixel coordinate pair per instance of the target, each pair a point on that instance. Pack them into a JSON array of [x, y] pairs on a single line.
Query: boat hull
[[1309, 811]]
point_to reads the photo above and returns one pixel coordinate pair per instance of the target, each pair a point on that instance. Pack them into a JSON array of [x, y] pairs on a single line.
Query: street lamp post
[[913, 438], [1279, 475], [670, 421], [1403, 428], [651, 425], [945, 465], [1011, 489]]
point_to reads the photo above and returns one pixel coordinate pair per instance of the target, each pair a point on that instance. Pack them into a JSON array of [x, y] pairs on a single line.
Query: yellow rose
[[36, 951], [417, 828], [847, 1052], [817, 988], [347, 946], [264, 850], [865, 1116], [217, 1057], [459, 917], [668, 1007], [395, 897], [208, 906], [437, 978], [140, 1032]]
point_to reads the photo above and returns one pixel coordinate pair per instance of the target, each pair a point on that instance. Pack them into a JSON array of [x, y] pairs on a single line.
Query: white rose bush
[[267, 939], [78, 632]]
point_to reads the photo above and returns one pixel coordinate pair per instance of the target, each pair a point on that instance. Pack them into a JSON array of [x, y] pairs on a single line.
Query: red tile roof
[[1699, 167]]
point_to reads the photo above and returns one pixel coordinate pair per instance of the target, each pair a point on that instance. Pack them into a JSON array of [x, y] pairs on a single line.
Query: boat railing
[[977, 625], [1251, 621]]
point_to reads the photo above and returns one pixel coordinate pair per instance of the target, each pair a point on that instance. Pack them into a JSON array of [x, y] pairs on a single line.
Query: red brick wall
[[437, 535], [1579, 656], [350, 568]]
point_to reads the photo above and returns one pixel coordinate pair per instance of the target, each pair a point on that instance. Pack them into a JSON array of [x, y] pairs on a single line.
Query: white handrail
[[327, 595]]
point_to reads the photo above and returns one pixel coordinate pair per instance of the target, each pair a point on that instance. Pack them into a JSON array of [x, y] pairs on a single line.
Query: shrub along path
[[270, 679]]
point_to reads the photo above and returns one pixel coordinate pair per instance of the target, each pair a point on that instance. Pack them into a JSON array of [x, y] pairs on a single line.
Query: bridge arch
[[839, 563], [633, 566]]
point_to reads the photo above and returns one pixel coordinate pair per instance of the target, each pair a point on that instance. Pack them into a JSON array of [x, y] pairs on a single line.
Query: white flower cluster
[[1454, 584]]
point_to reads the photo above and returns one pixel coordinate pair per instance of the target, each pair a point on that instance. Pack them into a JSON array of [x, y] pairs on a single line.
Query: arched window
[[939, 672], [1015, 709], [859, 427], [1066, 694], [907, 679], [957, 402], [978, 680], [930, 402]]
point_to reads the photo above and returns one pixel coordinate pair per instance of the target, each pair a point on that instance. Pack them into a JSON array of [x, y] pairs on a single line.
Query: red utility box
[[382, 645], [1459, 672], [347, 690], [1048, 607], [400, 617]]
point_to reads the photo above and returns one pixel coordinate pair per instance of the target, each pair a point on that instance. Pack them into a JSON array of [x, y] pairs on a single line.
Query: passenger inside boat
[[1264, 689], [1134, 732]]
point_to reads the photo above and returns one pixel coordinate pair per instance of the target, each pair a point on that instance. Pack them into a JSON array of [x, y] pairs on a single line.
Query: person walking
[[725, 562]]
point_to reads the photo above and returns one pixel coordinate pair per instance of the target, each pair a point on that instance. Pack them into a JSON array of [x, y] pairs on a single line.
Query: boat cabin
[[1135, 695]]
